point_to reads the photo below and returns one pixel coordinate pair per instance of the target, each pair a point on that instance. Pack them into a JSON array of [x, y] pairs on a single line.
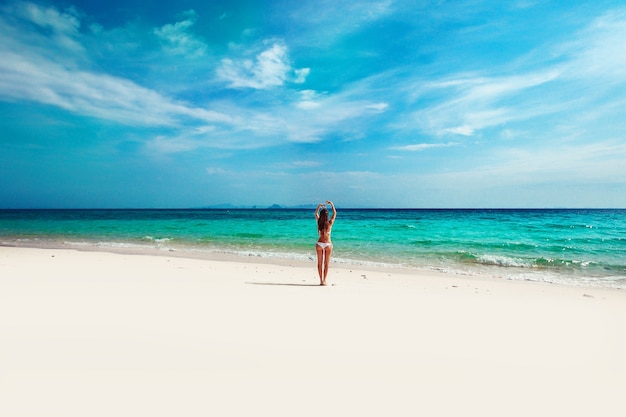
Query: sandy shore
[[103, 334]]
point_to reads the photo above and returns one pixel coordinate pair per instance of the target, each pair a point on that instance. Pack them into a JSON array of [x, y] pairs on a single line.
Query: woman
[[324, 246]]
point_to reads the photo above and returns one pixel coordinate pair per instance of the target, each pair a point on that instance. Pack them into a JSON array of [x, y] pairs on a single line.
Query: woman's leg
[[328, 250], [320, 260]]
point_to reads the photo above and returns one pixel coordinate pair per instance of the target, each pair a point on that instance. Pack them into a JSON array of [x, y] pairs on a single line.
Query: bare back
[[325, 234]]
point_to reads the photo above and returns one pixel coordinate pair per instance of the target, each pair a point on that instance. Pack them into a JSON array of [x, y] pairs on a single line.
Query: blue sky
[[463, 103]]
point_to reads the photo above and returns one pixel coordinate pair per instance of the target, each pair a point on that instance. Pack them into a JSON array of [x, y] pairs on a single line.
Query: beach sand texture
[[107, 334]]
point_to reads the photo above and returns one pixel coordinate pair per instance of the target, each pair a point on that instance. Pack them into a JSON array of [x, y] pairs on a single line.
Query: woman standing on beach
[[324, 246]]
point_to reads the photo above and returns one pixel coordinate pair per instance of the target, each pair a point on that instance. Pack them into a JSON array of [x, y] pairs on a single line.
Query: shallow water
[[576, 247]]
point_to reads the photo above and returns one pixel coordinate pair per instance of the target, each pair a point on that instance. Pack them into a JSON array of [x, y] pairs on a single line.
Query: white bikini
[[324, 245]]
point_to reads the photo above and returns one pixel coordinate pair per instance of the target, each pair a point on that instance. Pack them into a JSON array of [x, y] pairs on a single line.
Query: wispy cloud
[[418, 147], [301, 74], [38, 79], [325, 21], [547, 82], [298, 164], [291, 121], [347, 84], [477, 102], [599, 49], [587, 164], [216, 171], [314, 114], [28, 72], [63, 25], [177, 39], [269, 68], [65, 79]]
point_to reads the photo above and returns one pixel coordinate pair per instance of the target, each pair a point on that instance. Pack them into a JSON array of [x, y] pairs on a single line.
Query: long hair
[[322, 221]]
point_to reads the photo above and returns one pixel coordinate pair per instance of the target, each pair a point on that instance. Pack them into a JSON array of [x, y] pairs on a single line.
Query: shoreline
[[392, 272], [93, 332], [488, 272]]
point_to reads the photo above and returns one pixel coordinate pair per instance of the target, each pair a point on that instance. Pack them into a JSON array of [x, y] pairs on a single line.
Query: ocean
[[565, 246]]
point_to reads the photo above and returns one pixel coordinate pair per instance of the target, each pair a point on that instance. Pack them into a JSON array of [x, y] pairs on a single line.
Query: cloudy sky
[[464, 103]]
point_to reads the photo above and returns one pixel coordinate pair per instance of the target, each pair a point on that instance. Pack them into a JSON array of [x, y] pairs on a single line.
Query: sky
[[382, 103]]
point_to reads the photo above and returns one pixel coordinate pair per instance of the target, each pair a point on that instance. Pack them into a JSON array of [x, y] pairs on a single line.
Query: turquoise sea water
[[576, 247]]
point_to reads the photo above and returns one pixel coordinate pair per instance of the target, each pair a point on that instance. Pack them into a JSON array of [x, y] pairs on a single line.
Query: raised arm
[[332, 219], [317, 211]]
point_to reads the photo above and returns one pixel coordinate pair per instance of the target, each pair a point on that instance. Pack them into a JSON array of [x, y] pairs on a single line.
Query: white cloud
[[317, 114], [49, 17], [308, 104], [555, 175], [63, 26], [378, 107], [178, 41], [594, 163], [215, 171], [309, 99], [581, 81], [327, 20], [298, 164], [162, 145], [599, 50], [418, 147], [270, 68], [301, 75], [93, 94], [464, 130], [477, 102], [29, 71]]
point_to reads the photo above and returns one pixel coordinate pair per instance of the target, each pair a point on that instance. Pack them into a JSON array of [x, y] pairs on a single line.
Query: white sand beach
[[107, 334]]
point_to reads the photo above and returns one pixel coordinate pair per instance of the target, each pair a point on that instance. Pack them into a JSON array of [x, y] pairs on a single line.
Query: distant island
[[229, 206]]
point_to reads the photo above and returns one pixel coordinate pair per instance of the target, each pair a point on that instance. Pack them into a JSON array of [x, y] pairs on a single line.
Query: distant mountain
[[305, 206], [221, 206], [229, 206]]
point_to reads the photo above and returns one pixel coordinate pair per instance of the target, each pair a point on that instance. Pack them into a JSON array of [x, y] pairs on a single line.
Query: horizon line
[[308, 207]]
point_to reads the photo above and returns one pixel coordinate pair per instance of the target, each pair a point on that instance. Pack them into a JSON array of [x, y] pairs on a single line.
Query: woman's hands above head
[[332, 206], [324, 204]]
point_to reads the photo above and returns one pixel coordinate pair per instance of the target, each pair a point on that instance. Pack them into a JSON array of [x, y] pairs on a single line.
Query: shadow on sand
[[283, 284]]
